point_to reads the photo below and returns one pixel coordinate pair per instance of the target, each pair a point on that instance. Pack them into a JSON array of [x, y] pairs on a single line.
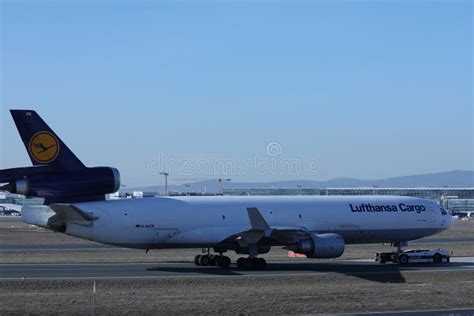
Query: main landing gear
[[249, 263], [212, 260]]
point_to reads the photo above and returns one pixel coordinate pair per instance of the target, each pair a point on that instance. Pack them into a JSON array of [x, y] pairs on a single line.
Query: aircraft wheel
[[248, 264], [241, 262], [204, 261], [403, 259], [213, 260], [197, 260], [225, 262], [260, 263], [251, 263]]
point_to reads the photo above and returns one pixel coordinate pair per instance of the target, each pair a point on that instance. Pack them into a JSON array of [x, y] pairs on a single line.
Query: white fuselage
[[179, 222]]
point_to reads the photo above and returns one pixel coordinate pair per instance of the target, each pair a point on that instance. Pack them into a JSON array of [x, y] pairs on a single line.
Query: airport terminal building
[[8, 198]]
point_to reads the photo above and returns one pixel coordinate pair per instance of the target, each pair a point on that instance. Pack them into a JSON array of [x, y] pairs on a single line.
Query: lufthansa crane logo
[[44, 147]]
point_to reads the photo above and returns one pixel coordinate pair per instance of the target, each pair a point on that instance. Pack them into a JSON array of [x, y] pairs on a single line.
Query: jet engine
[[320, 246]]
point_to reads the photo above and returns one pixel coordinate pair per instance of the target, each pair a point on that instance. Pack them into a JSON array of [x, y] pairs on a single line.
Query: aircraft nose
[[446, 220]]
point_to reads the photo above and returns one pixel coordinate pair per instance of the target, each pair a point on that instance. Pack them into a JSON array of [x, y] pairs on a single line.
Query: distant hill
[[458, 179]]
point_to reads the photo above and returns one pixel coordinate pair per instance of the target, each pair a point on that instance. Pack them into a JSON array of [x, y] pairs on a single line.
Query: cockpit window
[[443, 211]]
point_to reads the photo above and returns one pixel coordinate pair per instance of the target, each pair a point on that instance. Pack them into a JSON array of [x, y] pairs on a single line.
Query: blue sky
[[365, 89]]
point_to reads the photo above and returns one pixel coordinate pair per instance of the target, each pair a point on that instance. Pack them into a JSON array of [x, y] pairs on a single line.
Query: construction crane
[[166, 174]]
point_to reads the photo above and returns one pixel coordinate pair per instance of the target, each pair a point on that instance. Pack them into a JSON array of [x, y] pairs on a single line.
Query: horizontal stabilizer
[[8, 175]]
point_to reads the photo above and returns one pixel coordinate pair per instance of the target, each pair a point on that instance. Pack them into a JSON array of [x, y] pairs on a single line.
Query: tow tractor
[[414, 256]]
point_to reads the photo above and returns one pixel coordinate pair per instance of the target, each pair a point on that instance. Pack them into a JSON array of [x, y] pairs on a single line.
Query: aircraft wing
[[260, 230], [283, 234]]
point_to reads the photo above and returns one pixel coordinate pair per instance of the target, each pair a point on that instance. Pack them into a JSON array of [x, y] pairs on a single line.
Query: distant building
[[8, 198], [434, 194], [295, 191], [460, 206], [113, 196]]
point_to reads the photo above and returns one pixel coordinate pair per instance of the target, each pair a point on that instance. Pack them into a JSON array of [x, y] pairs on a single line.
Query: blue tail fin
[[43, 145]]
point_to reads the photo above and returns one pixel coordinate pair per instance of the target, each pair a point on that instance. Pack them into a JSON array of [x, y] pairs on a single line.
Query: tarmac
[[359, 268]]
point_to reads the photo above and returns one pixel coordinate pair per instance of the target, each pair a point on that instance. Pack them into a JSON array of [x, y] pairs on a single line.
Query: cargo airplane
[[316, 226]]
